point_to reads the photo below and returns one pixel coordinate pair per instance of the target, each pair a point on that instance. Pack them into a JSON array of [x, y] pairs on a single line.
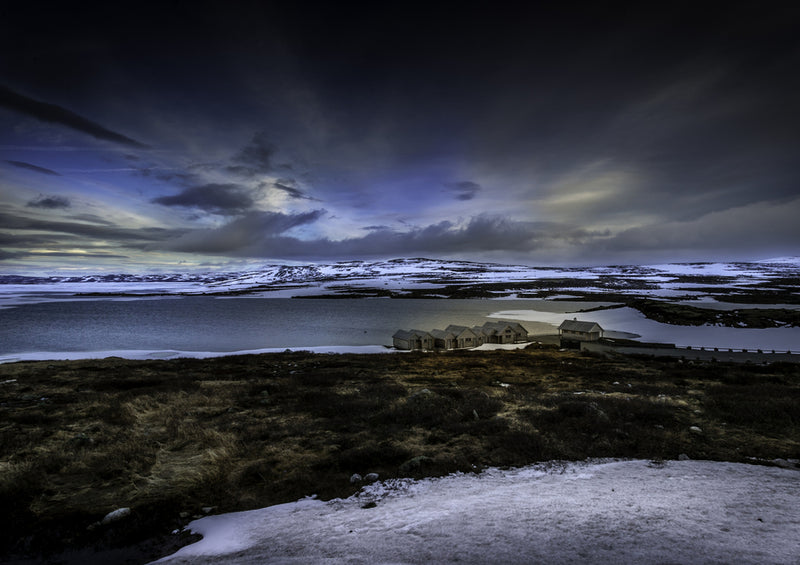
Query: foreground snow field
[[597, 512]]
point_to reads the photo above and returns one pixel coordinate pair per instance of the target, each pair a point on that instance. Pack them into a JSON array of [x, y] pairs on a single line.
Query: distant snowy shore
[[402, 276], [172, 354], [635, 512], [710, 291]]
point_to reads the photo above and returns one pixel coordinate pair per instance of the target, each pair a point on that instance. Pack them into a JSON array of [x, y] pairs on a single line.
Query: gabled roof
[[442, 334], [403, 334], [501, 326], [457, 330], [578, 326]]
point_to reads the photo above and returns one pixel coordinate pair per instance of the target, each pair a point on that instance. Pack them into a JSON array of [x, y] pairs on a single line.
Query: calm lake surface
[[234, 324]]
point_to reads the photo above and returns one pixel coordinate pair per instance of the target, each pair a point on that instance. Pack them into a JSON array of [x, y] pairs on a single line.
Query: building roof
[[457, 330], [442, 334], [501, 326], [579, 326], [403, 334]]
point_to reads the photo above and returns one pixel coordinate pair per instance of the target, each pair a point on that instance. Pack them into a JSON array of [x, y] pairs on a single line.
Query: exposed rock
[[786, 464], [355, 478], [696, 430], [115, 516], [371, 477], [414, 464], [684, 457]]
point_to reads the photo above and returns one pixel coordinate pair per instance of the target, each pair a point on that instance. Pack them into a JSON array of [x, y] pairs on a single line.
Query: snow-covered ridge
[[778, 281], [421, 269]]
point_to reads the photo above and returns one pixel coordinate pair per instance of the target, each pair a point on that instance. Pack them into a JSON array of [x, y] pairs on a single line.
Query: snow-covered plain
[[400, 275], [634, 512]]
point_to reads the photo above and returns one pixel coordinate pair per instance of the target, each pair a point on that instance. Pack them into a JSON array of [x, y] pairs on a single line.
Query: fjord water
[[233, 324]]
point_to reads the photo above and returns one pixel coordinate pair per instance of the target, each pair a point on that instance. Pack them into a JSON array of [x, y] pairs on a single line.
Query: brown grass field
[[170, 438]]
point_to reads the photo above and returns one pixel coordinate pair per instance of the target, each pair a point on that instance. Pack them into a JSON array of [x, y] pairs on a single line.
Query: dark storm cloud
[[61, 254], [35, 239], [764, 225], [123, 236], [172, 176], [90, 218], [262, 234], [6, 255], [249, 235], [30, 167], [49, 202], [222, 199], [257, 158], [464, 190], [289, 186], [54, 114], [673, 118]]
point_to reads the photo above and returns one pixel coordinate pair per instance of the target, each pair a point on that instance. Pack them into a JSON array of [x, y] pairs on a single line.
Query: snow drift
[[594, 512]]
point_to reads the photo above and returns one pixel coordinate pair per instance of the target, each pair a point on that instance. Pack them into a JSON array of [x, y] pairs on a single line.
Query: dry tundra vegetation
[[169, 439]]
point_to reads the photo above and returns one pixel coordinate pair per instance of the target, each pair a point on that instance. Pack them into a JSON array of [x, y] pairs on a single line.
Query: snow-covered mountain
[[433, 278]]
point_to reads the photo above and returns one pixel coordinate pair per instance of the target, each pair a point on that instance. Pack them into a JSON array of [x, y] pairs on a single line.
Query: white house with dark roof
[[576, 330]]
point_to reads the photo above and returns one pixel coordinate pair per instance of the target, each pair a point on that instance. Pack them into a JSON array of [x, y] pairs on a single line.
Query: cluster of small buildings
[[461, 337], [572, 334]]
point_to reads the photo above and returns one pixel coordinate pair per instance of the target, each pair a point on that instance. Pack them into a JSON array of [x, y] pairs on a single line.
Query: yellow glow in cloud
[[593, 196]]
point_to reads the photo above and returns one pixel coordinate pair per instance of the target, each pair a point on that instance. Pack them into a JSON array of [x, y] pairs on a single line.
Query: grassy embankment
[[80, 439]]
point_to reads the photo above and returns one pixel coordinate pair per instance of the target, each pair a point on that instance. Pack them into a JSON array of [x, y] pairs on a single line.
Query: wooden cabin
[[505, 332], [460, 337], [413, 339], [573, 332], [465, 337]]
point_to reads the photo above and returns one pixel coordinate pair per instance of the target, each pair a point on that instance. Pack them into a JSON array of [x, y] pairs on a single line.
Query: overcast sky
[[182, 135]]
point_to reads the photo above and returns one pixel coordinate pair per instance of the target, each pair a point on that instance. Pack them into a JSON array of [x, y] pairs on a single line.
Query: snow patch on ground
[[506, 346], [591, 512]]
